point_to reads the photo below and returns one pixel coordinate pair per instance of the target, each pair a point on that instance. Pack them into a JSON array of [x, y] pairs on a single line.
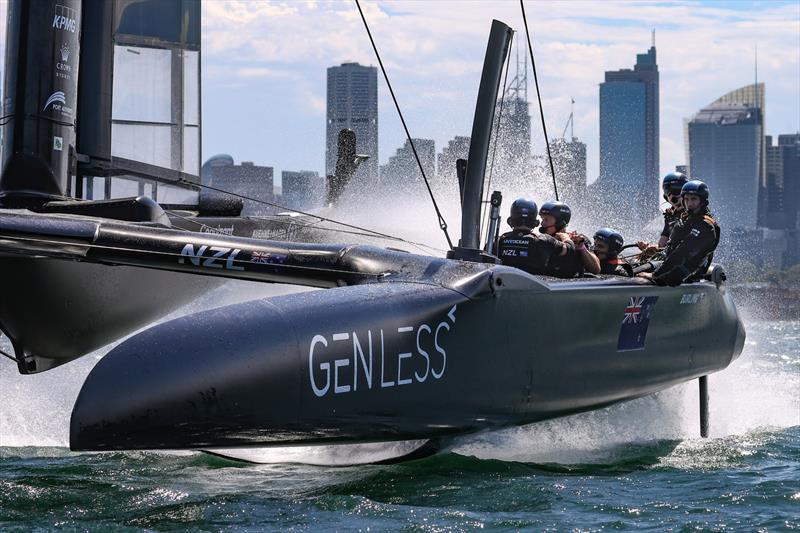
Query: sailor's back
[[535, 254]]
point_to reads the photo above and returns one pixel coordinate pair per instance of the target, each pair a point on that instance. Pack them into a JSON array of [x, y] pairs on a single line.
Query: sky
[[264, 67]]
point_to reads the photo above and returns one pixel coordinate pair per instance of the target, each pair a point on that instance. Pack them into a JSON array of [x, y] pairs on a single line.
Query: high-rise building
[[725, 149], [302, 190], [509, 162], [569, 161], [353, 104], [629, 133], [253, 182], [457, 148], [783, 182], [401, 173]]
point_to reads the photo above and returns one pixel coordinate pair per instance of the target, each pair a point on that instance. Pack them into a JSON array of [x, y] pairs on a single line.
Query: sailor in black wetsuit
[[671, 187], [555, 217], [692, 241], [608, 244], [535, 254]]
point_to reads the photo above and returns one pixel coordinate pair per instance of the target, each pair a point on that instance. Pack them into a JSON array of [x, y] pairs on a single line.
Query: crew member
[[671, 187], [692, 242], [608, 244], [533, 253], [555, 217]]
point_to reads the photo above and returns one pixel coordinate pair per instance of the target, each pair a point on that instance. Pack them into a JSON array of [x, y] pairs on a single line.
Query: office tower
[[249, 180], [457, 148], [509, 164], [569, 161], [725, 150], [353, 104], [302, 190], [629, 119], [401, 173]]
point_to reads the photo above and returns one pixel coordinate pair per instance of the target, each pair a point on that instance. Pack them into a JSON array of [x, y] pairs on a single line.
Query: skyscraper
[[353, 103], [725, 149], [629, 140], [303, 189], [401, 173], [249, 180], [457, 148], [783, 182], [569, 161], [510, 163]]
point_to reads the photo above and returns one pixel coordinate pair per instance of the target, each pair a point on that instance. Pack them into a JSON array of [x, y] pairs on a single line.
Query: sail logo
[[210, 256], [54, 99], [342, 362], [65, 19]]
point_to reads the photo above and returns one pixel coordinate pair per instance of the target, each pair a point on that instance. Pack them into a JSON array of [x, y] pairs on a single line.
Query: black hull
[[55, 310], [502, 348]]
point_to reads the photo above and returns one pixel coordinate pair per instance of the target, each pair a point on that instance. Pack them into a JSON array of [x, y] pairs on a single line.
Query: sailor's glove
[[648, 252], [580, 238]]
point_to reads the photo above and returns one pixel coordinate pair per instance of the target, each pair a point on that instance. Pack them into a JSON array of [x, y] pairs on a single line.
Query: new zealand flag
[[633, 330]]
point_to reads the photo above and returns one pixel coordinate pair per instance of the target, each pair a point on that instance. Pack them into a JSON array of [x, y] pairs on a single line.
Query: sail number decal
[[210, 256], [343, 362]]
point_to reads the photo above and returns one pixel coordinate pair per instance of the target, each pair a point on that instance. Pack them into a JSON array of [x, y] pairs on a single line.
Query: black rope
[[442, 223], [264, 202], [496, 137], [539, 97], [288, 223], [9, 356]]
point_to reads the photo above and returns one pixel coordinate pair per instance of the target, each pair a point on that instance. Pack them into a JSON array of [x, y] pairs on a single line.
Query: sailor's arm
[[590, 261], [687, 256]]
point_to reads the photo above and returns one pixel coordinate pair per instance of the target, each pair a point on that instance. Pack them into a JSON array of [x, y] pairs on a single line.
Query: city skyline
[[283, 51], [263, 67]]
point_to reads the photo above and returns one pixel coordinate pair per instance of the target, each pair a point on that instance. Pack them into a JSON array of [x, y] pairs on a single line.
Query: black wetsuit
[[671, 217], [535, 254], [616, 267], [689, 250]]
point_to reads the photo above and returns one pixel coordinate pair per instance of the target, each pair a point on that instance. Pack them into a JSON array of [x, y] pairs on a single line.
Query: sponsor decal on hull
[[344, 362]]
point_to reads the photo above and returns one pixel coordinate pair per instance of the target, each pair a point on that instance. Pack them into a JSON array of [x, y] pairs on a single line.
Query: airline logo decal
[[55, 98]]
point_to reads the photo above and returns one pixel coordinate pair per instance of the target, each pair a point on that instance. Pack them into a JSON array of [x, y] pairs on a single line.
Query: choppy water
[[638, 465]]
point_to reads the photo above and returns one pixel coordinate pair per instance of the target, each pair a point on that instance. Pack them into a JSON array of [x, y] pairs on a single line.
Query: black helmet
[[696, 187], [523, 213], [673, 182], [560, 211], [612, 238]]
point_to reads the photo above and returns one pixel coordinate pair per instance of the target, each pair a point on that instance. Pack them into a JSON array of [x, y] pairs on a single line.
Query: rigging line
[[423, 247], [539, 97], [2, 352], [332, 221], [442, 222], [496, 138]]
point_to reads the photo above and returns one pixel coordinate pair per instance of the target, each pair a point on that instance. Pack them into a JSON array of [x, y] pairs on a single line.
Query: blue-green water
[[638, 465]]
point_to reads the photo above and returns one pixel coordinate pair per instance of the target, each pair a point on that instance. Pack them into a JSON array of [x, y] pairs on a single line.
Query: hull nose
[[319, 366], [741, 335], [183, 383]]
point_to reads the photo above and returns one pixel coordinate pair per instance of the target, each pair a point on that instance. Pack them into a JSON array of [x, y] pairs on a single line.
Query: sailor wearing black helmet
[[692, 241], [555, 217], [523, 249], [671, 187], [608, 244]]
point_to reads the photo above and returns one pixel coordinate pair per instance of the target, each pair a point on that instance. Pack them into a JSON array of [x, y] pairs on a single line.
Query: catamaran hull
[[56, 310], [400, 361]]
